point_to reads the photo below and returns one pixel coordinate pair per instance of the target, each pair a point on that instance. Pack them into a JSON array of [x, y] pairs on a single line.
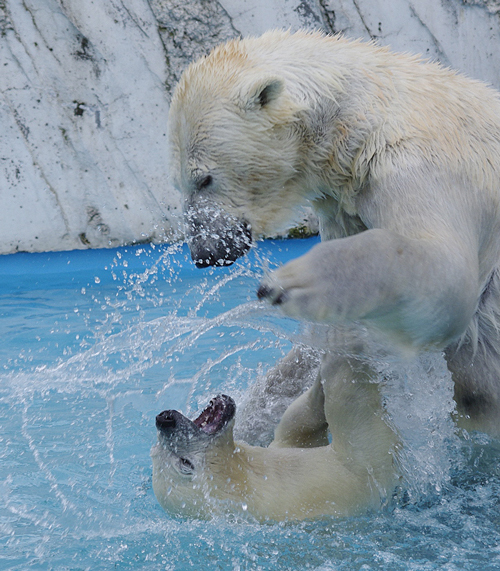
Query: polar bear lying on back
[[400, 159], [200, 471]]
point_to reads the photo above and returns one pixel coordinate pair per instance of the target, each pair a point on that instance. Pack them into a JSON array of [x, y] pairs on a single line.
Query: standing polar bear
[[400, 160]]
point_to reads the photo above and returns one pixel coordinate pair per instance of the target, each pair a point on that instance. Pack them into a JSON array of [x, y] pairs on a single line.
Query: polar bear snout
[[179, 434], [165, 421], [215, 237]]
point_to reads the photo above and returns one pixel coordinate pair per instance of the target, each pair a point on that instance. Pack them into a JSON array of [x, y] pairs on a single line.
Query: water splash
[[77, 419], [420, 406]]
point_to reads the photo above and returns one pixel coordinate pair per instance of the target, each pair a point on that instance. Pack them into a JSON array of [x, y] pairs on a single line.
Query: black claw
[[276, 298], [280, 299], [263, 291]]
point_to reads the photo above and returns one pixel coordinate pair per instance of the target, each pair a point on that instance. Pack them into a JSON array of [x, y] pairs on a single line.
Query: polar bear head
[[234, 141], [190, 455]]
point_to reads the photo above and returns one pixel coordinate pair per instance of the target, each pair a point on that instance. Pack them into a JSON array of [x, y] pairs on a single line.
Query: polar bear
[[400, 160], [200, 471]]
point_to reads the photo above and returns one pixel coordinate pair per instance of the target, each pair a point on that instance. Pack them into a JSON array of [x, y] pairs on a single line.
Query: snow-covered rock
[[85, 88]]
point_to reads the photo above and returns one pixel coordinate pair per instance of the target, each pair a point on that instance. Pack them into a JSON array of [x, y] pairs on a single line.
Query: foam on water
[[95, 344]]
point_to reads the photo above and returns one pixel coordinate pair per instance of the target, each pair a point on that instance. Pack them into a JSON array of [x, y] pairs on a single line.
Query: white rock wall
[[85, 86]]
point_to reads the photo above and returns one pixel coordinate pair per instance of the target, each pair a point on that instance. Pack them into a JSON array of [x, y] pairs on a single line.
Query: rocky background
[[85, 88]]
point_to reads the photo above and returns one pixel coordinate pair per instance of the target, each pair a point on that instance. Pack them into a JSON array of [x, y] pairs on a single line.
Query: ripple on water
[[86, 365]]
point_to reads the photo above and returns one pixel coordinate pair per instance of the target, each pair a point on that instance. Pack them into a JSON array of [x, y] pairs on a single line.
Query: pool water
[[96, 343]]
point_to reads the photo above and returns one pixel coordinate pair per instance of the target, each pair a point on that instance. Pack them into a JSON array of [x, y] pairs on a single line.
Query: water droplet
[[245, 507], [97, 280]]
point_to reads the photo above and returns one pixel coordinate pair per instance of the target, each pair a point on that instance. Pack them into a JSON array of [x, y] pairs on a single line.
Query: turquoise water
[[96, 343]]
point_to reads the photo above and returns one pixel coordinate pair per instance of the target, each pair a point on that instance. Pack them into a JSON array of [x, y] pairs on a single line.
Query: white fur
[[400, 159], [300, 475]]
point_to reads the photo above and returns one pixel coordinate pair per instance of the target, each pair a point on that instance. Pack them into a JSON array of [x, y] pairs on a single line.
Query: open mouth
[[180, 433], [216, 415]]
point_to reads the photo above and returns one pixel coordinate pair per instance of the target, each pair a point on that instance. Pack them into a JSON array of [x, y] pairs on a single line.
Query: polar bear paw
[[300, 291]]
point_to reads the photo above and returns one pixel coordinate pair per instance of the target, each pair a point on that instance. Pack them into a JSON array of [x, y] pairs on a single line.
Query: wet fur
[[378, 143], [400, 159]]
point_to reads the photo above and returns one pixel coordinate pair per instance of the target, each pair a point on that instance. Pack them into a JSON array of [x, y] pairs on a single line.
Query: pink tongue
[[209, 419]]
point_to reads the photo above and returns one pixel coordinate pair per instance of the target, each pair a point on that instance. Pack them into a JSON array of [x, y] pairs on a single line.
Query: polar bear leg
[[475, 365], [421, 291], [476, 374], [304, 423], [357, 419], [345, 402]]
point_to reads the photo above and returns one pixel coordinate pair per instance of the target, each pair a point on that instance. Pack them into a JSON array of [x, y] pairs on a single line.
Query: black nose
[[165, 420]]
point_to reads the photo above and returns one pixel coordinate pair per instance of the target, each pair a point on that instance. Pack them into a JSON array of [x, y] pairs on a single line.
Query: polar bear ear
[[264, 92]]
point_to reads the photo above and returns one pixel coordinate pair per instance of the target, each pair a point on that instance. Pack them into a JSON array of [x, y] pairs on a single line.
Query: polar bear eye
[[186, 466], [204, 182]]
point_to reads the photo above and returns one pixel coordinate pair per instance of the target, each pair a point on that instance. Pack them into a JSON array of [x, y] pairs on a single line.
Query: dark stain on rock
[[79, 108]]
